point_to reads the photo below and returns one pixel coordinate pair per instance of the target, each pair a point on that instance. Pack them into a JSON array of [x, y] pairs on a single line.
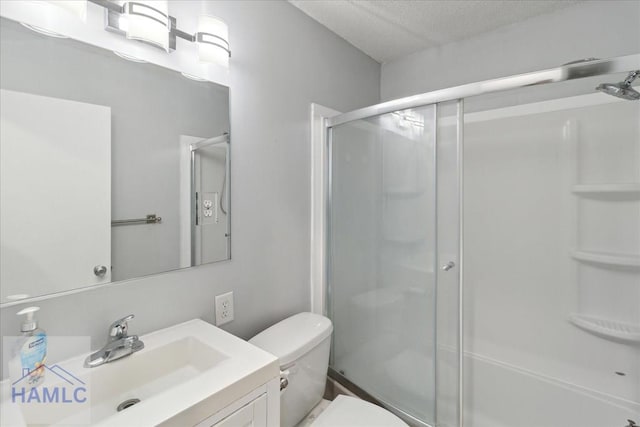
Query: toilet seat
[[346, 411]]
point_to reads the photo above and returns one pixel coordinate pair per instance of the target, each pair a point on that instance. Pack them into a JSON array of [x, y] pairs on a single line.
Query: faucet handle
[[118, 329]]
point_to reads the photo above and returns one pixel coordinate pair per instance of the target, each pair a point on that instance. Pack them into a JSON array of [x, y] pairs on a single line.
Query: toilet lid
[[346, 411]]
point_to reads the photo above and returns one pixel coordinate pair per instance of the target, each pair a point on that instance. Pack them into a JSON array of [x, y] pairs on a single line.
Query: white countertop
[[219, 369]]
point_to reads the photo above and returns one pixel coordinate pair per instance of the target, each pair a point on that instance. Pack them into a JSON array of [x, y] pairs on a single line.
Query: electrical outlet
[[224, 308]]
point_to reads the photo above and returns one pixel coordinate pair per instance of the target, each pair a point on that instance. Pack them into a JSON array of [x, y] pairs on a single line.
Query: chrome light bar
[[114, 13]]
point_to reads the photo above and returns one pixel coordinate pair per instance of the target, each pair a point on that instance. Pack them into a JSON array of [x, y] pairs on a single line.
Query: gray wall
[[600, 29], [150, 107], [282, 61]]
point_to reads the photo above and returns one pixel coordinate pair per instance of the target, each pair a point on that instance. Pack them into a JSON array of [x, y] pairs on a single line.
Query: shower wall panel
[[552, 263]]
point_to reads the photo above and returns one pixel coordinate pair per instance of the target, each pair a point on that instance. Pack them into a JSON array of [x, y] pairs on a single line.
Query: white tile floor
[[306, 422]]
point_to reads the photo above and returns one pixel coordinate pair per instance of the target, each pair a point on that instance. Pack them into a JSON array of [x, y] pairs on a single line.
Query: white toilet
[[302, 344]]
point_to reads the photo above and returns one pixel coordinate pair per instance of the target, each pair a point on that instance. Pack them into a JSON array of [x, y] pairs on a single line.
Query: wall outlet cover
[[224, 308]]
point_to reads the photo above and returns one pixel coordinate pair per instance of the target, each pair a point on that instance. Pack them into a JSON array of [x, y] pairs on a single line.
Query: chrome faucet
[[119, 344]]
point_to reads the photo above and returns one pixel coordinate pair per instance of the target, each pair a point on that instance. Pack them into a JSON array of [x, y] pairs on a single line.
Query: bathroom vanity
[[191, 374]]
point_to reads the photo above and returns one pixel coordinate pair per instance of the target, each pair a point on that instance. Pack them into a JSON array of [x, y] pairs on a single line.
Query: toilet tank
[[301, 343]]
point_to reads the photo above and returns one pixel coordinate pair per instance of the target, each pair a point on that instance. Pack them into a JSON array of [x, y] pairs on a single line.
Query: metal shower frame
[[572, 71]]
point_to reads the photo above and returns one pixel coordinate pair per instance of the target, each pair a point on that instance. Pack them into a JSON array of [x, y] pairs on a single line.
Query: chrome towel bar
[[150, 219]]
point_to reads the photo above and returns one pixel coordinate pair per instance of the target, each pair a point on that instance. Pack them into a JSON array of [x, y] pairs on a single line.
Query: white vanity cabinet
[[260, 408], [253, 414]]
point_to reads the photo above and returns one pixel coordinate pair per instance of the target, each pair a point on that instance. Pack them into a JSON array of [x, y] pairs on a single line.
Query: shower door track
[[578, 70]]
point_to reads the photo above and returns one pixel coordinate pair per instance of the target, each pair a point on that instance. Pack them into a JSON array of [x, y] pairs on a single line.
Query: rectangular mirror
[[112, 169]]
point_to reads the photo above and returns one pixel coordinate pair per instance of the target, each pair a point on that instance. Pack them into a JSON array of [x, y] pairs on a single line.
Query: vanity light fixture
[[149, 21]]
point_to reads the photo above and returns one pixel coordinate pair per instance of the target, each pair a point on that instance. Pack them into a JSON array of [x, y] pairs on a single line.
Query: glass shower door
[[383, 253]]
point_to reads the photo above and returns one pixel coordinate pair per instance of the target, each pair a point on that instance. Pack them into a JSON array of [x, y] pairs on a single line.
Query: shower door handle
[[448, 266]]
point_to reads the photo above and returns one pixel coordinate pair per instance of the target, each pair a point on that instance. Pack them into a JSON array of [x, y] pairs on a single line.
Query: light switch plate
[[224, 308]]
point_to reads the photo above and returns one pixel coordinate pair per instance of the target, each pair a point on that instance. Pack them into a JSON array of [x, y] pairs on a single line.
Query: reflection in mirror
[[111, 169]]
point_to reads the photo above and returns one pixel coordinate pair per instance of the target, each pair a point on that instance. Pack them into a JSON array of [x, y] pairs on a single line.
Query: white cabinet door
[[55, 190], [253, 414]]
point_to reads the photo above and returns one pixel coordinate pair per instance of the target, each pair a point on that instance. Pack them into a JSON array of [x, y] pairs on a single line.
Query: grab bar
[[150, 219]]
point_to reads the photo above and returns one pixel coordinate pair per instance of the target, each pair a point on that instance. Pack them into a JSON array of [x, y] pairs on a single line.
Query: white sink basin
[[185, 371]]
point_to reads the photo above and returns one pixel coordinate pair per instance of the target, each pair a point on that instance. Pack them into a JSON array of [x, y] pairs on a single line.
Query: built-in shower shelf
[[606, 188], [610, 329], [607, 258]]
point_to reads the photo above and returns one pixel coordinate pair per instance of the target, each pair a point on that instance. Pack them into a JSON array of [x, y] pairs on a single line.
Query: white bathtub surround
[[503, 395]]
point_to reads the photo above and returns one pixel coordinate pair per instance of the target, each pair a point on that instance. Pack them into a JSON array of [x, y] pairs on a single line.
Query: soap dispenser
[[27, 364]]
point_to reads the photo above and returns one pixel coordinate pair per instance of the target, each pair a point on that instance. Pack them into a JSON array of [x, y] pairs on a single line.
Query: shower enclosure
[[209, 200], [204, 200], [483, 250]]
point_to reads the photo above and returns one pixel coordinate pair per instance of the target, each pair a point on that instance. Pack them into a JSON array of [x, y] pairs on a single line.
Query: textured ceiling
[[389, 29]]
